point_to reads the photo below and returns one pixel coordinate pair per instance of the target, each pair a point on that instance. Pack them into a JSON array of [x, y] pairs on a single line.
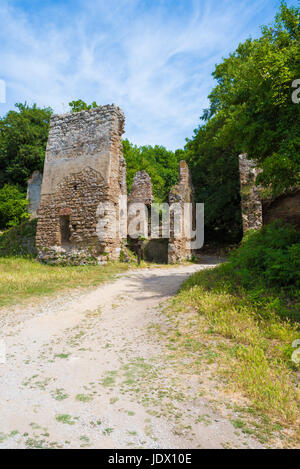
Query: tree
[[23, 139], [79, 105], [160, 163]]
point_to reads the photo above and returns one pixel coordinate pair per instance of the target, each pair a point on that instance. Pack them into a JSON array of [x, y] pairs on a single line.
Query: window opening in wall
[[65, 233]]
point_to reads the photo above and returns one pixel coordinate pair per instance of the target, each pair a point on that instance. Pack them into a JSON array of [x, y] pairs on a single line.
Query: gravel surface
[[89, 369]]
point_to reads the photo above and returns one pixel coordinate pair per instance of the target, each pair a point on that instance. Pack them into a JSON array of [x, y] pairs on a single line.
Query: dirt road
[[89, 369]]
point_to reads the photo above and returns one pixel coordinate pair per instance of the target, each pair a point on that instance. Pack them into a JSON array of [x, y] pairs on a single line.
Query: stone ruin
[[85, 167]]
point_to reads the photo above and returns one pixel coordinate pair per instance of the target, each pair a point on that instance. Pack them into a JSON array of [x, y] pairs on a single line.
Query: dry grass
[[23, 279]]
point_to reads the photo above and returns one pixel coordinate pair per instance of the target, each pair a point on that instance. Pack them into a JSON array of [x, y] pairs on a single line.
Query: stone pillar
[[179, 245], [251, 204], [141, 193], [84, 179], [34, 186]]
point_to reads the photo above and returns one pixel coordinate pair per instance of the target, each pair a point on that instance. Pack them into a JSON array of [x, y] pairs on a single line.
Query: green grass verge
[[22, 279], [248, 334]]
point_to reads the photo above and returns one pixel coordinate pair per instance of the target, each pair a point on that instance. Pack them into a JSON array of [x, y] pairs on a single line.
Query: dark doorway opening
[[65, 232]]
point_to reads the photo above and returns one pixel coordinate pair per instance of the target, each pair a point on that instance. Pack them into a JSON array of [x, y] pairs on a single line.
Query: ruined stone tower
[[84, 166]]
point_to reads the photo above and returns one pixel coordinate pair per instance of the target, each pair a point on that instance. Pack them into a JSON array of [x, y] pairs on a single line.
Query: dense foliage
[[254, 97], [160, 164], [79, 105], [251, 111], [270, 256], [23, 139]]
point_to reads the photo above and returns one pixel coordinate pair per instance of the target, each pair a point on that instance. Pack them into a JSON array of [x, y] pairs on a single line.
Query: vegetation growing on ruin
[[160, 163]]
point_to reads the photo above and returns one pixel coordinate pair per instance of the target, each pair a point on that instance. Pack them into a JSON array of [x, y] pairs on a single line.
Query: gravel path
[[90, 369]]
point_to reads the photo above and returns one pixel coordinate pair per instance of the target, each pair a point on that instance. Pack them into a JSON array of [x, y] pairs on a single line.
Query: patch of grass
[[66, 418], [248, 334], [83, 398], [109, 379], [62, 355], [22, 279], [205, 419]]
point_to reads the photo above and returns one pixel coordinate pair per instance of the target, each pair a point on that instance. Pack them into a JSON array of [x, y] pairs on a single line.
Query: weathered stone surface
[[84, 166], [179, 246], [141, 193], [34, 186], [251, 205]]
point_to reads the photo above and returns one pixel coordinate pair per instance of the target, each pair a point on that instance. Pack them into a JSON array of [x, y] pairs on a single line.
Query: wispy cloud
[[152, 58]]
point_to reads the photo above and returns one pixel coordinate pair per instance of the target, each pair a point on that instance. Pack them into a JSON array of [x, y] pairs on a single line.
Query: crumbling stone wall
[[34, 186], [84, 166], [251, 204], [179, 248]]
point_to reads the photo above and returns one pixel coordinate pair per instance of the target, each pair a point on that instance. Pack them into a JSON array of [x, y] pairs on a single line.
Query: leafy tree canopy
[[23, 139]]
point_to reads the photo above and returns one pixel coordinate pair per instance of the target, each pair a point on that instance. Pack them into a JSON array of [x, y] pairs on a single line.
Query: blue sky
[[154, 58]]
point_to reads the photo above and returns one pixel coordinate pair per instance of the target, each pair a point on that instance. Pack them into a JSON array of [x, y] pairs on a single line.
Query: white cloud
[[154, 60]]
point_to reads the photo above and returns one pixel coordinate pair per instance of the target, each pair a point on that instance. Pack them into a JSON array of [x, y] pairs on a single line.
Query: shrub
[[271, 256], [19, 240]]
